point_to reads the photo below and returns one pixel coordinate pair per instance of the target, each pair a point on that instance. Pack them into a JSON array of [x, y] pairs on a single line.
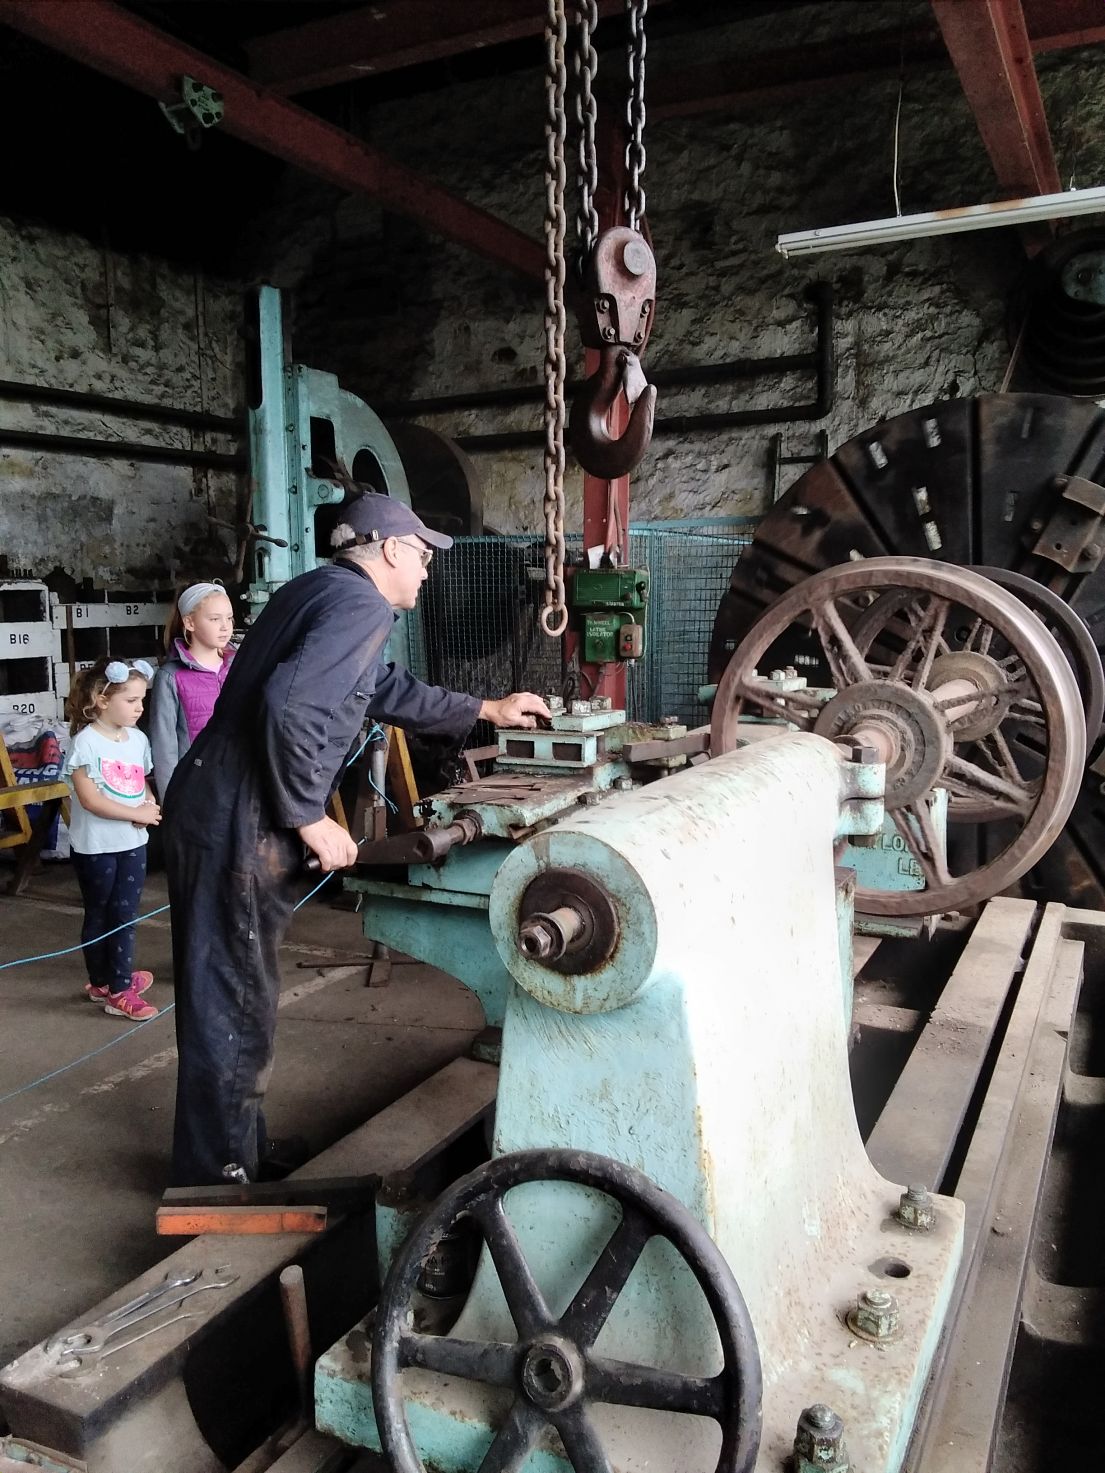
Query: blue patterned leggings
[[111, 888]]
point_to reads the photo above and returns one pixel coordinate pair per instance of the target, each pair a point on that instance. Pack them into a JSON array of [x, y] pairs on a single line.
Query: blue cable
[[165, 1011], [84, 1058], [66, 950], [47, 956]]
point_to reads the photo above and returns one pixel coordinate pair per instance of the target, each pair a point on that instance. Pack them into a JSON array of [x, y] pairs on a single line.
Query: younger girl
[[111, 809], [188, 683]]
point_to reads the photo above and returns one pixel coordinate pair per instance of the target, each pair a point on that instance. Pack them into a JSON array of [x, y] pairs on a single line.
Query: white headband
[[118, 672], [196, 595]]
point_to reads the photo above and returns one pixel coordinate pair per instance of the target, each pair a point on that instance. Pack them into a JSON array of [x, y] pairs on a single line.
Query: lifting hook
[[596, 449], [616, 305]]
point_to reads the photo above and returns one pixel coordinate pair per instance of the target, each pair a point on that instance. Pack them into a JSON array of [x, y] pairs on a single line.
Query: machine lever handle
[[422, 846]]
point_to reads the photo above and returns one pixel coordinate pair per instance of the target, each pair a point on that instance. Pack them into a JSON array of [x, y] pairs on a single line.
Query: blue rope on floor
[[84, 1058], [48, 956], [161, 909]]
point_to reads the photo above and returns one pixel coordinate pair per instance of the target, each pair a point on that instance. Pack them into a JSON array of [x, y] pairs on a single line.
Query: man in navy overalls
[[253, 790]]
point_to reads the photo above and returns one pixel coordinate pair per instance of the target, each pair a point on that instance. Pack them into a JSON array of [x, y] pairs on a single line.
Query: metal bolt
[[875, 1315], [1036, 524], [915, 1209], [669, 720], [778, 675], [646, 309], [608, 334], [790, 672], [819, 1442], [624, 784], [635, 257], [867, 755]]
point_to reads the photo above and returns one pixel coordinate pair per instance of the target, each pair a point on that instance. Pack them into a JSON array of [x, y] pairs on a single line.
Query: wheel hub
[[552, 1374], [916, 741], [988, 678]]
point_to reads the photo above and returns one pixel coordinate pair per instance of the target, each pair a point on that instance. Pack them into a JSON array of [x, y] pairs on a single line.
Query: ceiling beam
[[783, 76], [989, 47], [113, 41], [389, 35], [1058, 25]]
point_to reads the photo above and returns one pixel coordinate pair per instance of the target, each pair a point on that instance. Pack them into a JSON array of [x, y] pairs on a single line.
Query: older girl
[[188, 683], [112, 807]]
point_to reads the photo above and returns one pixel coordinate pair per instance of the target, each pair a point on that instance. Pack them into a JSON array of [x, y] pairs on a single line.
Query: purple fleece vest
[[198, 688]]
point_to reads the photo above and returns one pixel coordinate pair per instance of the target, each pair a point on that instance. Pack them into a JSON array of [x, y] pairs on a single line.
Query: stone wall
[[398, 314], [73, 316]]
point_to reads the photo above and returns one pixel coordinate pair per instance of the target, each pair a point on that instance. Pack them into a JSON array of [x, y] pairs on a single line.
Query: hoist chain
[[635, 115], [554, 616], [585, 65]]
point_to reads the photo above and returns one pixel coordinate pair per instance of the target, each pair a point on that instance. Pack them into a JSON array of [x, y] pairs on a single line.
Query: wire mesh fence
[[479, 629]]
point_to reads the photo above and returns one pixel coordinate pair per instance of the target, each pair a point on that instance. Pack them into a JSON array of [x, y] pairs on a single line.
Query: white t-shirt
[[119, 771]]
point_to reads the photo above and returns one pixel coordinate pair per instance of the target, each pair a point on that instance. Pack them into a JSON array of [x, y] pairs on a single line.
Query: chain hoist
[[554, 616], [616, 282]]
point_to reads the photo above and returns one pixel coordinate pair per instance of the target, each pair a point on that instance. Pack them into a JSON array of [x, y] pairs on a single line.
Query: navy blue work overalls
[[308, 673]]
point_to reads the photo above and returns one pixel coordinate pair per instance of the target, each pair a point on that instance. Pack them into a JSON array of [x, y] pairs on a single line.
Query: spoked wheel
[[552, 1368], [1005, 732], [1073, 635], [902, 688]]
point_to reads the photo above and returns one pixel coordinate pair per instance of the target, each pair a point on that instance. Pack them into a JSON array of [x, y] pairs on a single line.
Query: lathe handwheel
[[1035, 683], [552, 1368]]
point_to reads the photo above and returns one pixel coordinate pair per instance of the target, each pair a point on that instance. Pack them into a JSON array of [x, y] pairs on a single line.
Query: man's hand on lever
[[330, 843], [519, 711]]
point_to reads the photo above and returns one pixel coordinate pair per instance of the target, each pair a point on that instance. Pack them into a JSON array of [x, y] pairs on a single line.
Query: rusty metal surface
[[917, 1130], [963, 480], [900, 704], [965, 1423], [1069, 629]]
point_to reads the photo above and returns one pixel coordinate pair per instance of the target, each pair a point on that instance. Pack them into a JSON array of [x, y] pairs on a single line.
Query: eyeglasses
[[425, 553]]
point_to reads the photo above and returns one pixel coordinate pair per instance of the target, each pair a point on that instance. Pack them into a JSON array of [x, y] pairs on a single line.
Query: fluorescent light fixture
[[943, 222]]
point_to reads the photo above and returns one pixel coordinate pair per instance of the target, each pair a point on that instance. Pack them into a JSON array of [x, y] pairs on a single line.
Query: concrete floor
[[86, 1101]]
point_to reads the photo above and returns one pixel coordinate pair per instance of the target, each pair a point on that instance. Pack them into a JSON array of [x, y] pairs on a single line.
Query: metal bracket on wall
[[199, 107], [776, 459]]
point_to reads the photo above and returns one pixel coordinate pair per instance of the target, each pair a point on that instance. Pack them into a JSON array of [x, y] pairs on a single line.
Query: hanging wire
[[898, 111]]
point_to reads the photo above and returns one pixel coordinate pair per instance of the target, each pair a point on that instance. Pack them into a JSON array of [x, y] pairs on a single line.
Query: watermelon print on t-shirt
[[123, 779]]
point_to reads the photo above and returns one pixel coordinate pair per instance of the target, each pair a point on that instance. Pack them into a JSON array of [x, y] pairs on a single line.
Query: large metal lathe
[[697, 1242]]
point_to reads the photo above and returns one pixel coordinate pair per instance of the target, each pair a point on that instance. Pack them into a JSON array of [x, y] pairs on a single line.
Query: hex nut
[[819, 1442], [875, 1316], [916, 1210]]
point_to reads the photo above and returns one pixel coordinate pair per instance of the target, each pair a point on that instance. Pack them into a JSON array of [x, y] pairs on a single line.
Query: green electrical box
[[610, 604]]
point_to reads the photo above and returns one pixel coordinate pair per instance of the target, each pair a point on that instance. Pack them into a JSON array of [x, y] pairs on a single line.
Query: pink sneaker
[[139, 982], [128, 1004]]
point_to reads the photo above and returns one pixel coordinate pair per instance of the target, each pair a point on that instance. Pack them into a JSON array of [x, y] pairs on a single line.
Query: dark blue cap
[[374, 517]]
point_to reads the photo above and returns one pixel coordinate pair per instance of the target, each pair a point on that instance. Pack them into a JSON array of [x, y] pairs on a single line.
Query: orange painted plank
[[190, 1221]]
